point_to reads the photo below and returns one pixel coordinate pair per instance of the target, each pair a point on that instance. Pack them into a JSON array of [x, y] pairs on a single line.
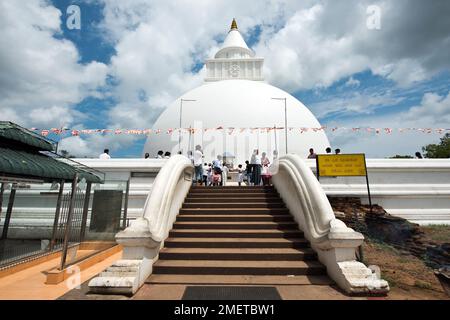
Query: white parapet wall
[[415, 189]]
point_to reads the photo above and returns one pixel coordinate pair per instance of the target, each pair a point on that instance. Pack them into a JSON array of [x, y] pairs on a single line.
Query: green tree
[[440, 150]]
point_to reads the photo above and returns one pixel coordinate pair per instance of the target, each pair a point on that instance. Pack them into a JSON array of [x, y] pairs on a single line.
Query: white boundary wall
[[414, 189], [417, 190]]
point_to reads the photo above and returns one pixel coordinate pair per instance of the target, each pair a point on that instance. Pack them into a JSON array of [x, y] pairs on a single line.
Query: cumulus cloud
[[41, 77], [326, 42], [92, 145], [352, 82], [432, 112], [354, 103], [433, 109]]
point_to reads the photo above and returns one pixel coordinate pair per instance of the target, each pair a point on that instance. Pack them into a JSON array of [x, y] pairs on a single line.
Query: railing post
[[2, 191], [87, 197], [125, 209], [12, 195], [69, 222], [57, 213]]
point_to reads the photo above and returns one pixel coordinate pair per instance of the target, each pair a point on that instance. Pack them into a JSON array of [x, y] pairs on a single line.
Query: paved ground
[[30, 284], [305, 292], [175, 292]]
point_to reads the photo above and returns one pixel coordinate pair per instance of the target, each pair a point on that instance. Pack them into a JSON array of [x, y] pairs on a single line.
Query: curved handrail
[[167, 195], [143, 239], [308, 202], [333, 241]]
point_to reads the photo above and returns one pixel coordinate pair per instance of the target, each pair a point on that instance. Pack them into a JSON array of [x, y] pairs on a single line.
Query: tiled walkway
[[30, 284], [306, 292]]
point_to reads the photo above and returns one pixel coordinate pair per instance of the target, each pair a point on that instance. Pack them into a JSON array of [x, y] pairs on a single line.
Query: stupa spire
[[234, 25], [234, 60]]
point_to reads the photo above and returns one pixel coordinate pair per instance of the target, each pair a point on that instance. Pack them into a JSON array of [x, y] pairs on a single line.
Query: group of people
[[161, 155], [208, 174], [256, 171], [313, 155]]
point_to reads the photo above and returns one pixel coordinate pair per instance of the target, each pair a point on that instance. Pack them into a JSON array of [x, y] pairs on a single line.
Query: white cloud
[[352, 82], [354, 103], [434, 110], [41, 78], [324, 43], [93, 145], [306, 45]]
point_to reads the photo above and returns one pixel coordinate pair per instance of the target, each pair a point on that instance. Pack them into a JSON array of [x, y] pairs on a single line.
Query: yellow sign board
[[341, 165]]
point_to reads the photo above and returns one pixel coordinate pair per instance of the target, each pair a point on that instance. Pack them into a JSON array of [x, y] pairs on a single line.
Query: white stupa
[[236, 98]]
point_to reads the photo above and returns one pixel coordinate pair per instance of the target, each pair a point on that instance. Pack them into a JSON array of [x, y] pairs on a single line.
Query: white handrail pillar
[[143, 239], [334, 242]]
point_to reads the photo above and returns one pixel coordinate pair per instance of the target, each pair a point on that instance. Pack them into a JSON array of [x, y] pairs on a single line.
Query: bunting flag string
[[232, 130]]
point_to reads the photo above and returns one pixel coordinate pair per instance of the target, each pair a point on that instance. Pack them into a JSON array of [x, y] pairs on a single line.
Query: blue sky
[[387, 84]]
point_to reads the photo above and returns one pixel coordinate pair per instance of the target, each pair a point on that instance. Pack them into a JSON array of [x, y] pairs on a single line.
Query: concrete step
[[229, 211], [281, 225], [232, 190], [237, 194], [238, 279], [127, 263], [234, 211], [233, 199], [237, 205], [243, 188], [115, 268], [117, 274], [234, 217], [241, 254], [236, 243], [236, 233], [227, 267]]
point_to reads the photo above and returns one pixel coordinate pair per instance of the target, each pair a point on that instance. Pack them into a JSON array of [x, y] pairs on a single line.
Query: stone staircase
[[238, 236]]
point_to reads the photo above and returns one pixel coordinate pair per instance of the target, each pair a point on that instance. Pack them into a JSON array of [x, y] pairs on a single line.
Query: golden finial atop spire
[[233, 25]]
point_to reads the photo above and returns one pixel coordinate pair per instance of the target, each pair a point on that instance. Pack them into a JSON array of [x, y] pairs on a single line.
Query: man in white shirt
[[198, 164], [217, 163], [105, 154]]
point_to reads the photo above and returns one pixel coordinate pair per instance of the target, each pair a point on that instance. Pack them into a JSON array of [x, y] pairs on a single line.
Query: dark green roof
[[20, 163], [11, 131]]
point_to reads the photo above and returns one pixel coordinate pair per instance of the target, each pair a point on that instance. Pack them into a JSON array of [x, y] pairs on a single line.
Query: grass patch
[[403, 260], [392, 282], [439, 232], [380, 245], [423, 285]]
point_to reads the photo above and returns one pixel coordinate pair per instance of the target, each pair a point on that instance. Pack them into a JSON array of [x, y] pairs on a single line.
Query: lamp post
[[181, 114], [285, 122]]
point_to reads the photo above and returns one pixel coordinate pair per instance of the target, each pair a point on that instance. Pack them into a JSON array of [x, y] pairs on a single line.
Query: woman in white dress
[[224, 174], [265, 163]]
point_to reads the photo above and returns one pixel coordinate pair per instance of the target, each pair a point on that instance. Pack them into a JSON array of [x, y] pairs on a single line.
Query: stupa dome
[[226, 110]]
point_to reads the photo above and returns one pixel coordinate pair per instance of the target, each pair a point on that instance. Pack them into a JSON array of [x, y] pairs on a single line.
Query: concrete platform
[[302, 292]]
